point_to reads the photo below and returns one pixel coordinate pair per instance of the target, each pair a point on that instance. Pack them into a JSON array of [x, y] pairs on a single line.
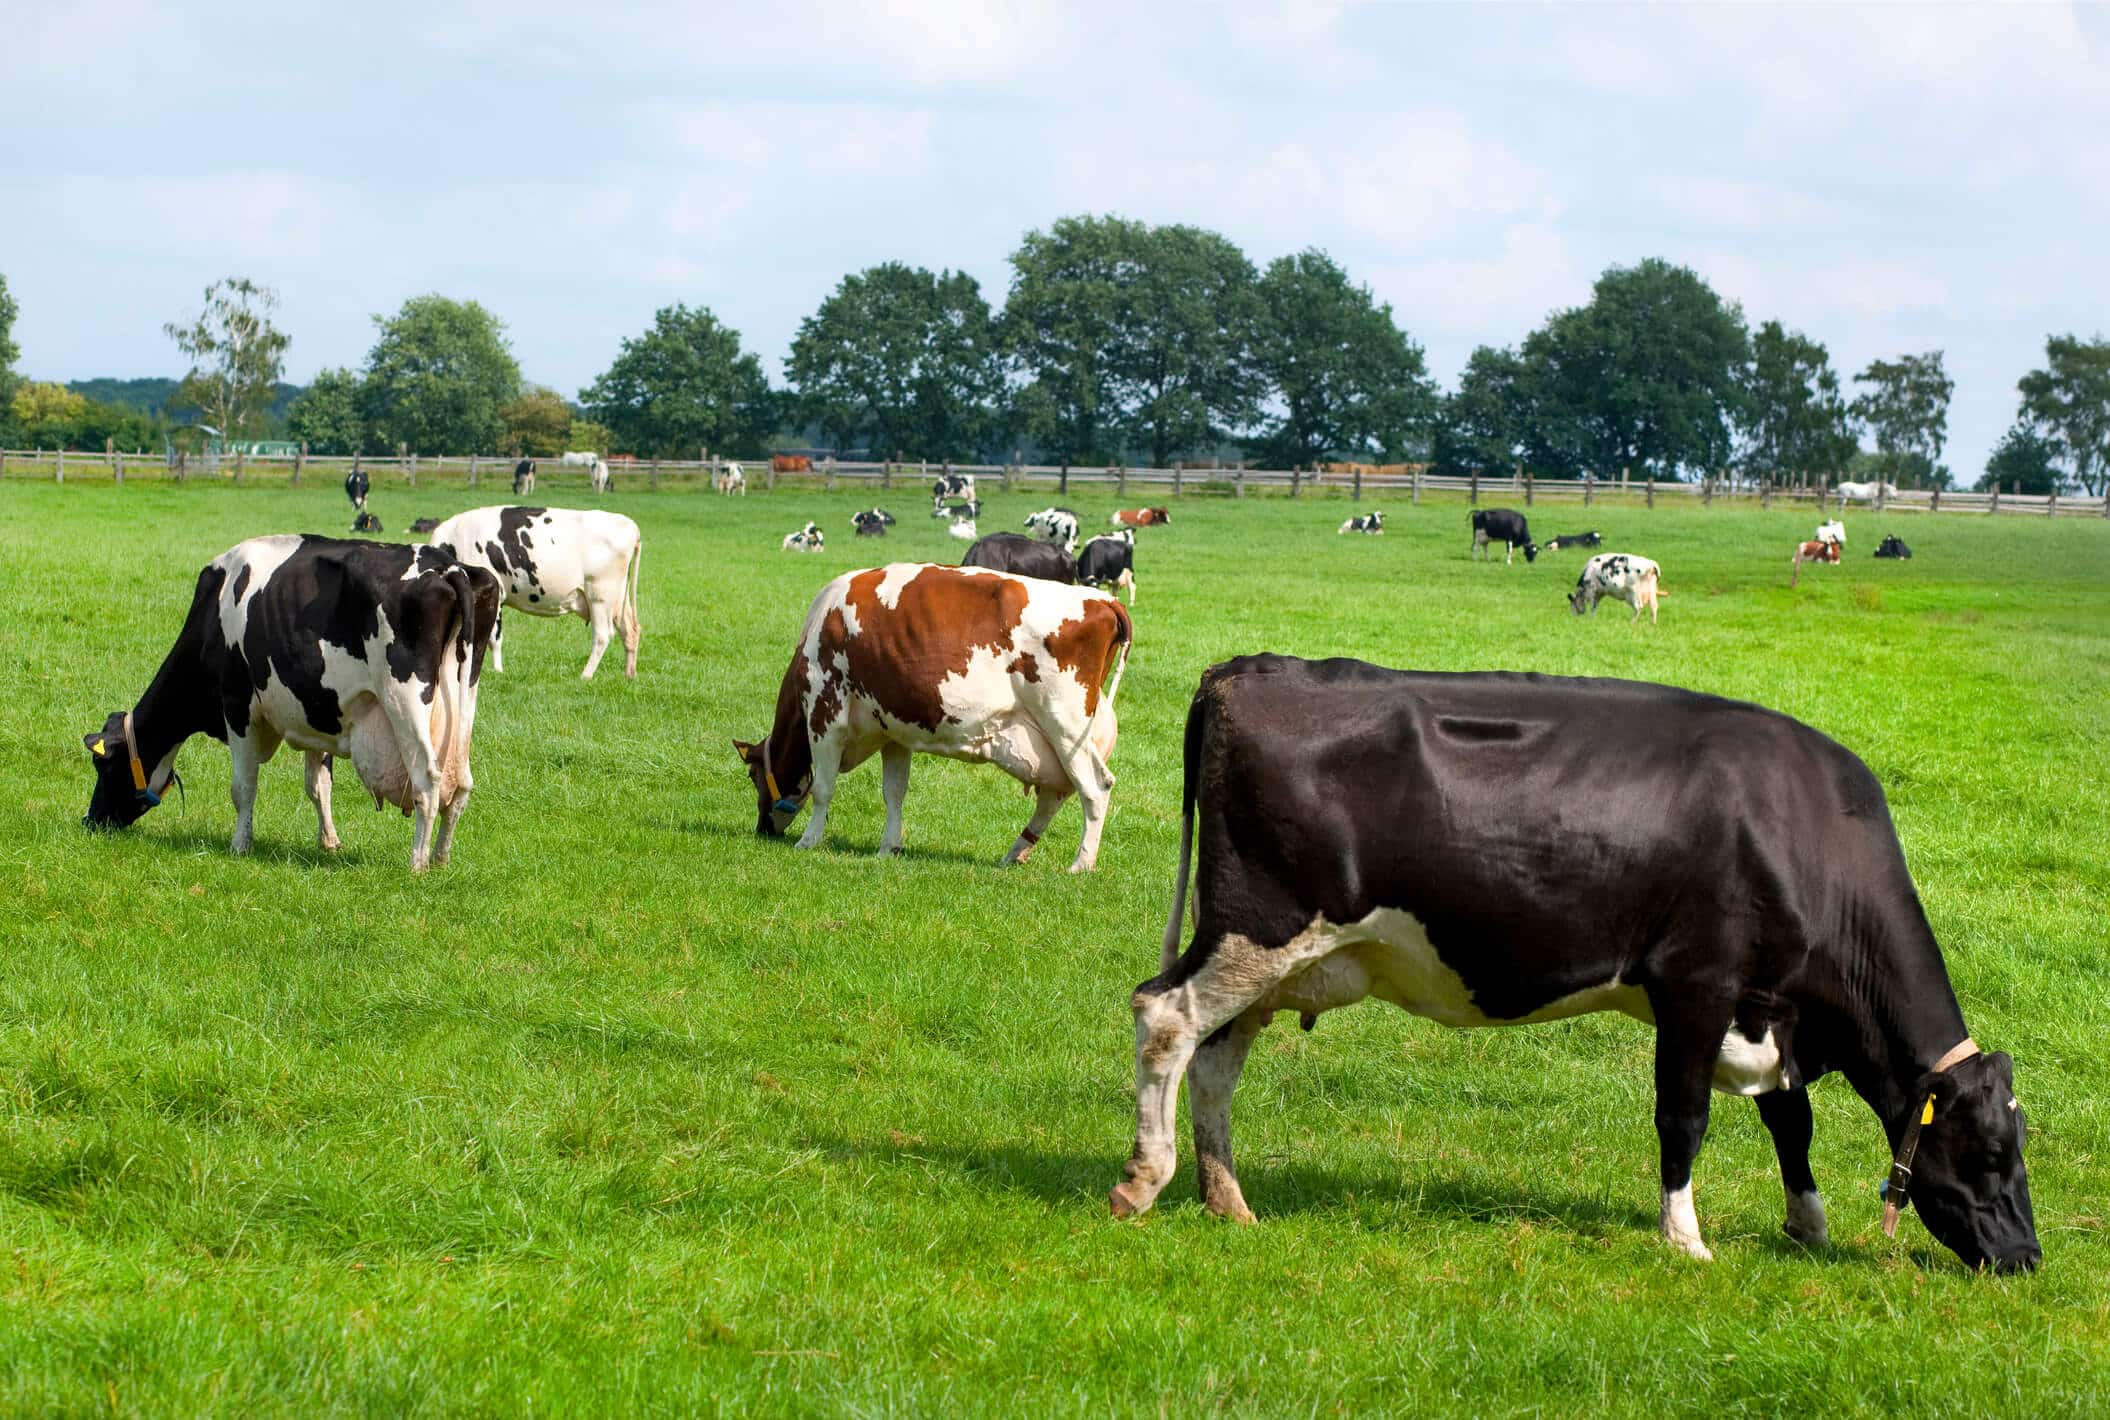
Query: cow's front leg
[[247, 757], [1688, 1042], [893, 787], [1787, 1118], [1046, 801], [318, 784], [827, 765], [1211, 1079], [498, 642], [602, 618]]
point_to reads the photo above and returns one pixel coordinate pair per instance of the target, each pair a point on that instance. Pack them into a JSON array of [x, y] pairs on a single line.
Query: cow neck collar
[[1895, 1187], [779, 801], [144, 764]]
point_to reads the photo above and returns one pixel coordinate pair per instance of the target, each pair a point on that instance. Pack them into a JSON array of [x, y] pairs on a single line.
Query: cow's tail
[[1128, 636], [637, 627], [1190, 781]]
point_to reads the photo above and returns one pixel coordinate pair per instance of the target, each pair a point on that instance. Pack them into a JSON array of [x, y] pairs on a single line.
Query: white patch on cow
[[1746, 1066], [586, 565], [263, 556], [895, 581], [1681, 1225], [1805, 1221]]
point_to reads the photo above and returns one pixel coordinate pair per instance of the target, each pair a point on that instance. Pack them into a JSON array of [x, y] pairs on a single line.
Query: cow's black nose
[[2024, 1261]]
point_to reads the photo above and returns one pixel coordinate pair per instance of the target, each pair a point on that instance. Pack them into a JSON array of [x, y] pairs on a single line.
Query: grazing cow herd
[[1478, 848]]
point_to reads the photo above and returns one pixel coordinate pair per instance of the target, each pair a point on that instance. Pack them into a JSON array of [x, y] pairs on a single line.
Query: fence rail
[[914, 476]]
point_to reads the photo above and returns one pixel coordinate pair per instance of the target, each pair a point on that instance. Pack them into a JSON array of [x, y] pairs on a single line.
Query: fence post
[[1474, 492], [241, 466], [2051, 509], [3, 469], [1652, 490], [1706, 491], [409, 461], [1996, 497], [655, 473], [1358, 483], [1765, 494], [1240, 480], [1589, 486], [62, 463], [1296, 480], [1121, 480], [116, 457], [300, 462], [1417, 485], [886, 473], [769, 482], [182, 464], [475, 470], [1527, 487], [1879, 496], [1934, 503]]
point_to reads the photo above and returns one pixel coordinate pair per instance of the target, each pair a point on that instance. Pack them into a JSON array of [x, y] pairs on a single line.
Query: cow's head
[[1531, 552], [1579, 599], [122, 795], [776, 804], [1968, 1181]]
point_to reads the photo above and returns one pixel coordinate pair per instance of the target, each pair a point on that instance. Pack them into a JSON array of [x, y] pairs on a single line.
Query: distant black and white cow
[[1506, 526], [365, 522], [1368, 523], [872, 522], [1729, 876], [1021, 556], [356, 484], [1566, 540], [1622, 577], [1056, 525], [1893, 546], [732, 479], [1109, 560], [962, 528], [523, 478], [359, 649], [809, 538], [557, 561], [953, 488]]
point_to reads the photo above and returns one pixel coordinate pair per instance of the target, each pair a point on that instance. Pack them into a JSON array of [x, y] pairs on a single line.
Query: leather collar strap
[[139, 771], [1900, 1178]]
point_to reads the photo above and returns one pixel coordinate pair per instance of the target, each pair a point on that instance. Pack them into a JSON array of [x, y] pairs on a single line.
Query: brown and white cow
[[956, 661], [1815, 551], [1141, 518]]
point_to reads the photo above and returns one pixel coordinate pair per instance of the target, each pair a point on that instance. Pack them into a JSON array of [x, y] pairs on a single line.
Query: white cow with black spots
[[1619, 575], [1056, 525], [557, 562]]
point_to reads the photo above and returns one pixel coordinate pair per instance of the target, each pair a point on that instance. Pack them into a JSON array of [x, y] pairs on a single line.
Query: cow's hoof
[[1124, 1203], [887, 851], [1692, 1248], [1084, 865], [1234, 1211]]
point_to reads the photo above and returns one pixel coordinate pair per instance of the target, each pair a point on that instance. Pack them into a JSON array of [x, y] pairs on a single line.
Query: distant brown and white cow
[[962, 662], [1141, 518], [1825, 551], [555, 561]]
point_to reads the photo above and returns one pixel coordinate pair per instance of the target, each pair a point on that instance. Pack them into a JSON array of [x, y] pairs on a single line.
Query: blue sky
[[1887, 179]]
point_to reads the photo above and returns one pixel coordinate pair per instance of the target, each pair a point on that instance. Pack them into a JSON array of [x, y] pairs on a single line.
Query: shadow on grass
[[303, 853], [834, 847]]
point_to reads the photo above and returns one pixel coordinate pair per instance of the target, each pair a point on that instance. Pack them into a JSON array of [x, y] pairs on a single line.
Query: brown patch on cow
[[902, 654], [1025, 667], [829, 703], [790, 752], [1086, 646]]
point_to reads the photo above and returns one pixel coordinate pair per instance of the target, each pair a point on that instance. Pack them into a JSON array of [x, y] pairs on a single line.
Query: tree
[[537, 424], [46, 413], [1648, 376], [1180, 369], [236, 355], [589, 436], [438, 374], [1060, 323], [1795, 421], [683, 386], [2024, 461], [1342, 378], [9, 351], [899, 359], [1907, 409], [2070, 398], [325, 416], [1482, 426]]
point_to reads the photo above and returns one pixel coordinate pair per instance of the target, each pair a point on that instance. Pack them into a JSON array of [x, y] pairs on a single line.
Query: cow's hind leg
[[1787, 1118], [893, 786], [1211, 1079], [318, 784], [1046, 801], [1689, 1036], [602, 618], [1095, 789]]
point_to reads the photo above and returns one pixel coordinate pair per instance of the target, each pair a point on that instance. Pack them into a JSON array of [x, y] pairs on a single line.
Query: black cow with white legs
[[356, 484], [1506, 526], [1021, 556], [366, 650], [871, 522], [1497, 849], [1109, 561]]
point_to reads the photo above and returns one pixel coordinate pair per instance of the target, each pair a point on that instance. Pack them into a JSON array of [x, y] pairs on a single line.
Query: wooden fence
[[915, 477]]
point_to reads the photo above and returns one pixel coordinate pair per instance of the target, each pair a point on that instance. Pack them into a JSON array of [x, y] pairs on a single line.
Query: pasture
[[628, 1110]]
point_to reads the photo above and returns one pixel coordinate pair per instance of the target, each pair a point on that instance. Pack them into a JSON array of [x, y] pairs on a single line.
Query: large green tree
[[1795, 420], [683, 386], [1649, 376], [1906, 407], [1061, 324], [2070, 399], [1341, 378], [537, 424], [437, 377], [9, 351], [236, 356], [325, 415], [2024, 461], [1484, 424], [901, 360], [1181, 366]]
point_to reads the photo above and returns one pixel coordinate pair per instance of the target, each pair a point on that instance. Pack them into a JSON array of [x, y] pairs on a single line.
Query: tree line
[[1122, 341]]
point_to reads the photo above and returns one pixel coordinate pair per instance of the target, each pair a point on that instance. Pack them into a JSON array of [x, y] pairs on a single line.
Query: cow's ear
[[745, 750], [109, 741]]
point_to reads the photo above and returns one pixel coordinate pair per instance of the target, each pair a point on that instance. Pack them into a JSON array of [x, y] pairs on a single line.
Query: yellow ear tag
[[99, 746], [1927, 1114]]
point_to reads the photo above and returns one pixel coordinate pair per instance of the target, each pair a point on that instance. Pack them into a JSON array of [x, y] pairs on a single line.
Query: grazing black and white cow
[[872, 522], [1109, 560], [1712, 868], [1621, 576], [1056, 525], [1021, 556], [1503, 525], [1373, 523], [356, 484], [953, 488], [523, 478], [557, 561], [359, 649], [1893, 546], [1585, 539], [365, 522]]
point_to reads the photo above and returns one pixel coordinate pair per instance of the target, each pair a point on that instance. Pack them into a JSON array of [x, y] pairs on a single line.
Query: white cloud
[[1882, 288]]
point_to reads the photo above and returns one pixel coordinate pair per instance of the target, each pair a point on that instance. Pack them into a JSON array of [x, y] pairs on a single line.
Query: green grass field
[[628, 1111]]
